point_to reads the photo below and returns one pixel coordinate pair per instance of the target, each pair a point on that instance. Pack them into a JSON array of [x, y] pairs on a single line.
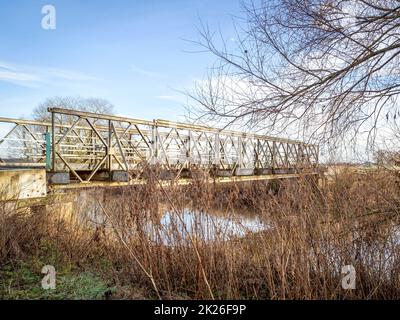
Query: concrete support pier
[[20, 184]]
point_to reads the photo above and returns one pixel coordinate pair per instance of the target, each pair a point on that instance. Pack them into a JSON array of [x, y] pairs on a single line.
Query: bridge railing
[[88, 144], [22, 142], [94, 143]]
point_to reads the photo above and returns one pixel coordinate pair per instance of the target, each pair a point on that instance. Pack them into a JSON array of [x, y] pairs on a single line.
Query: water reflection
[[177, 227]]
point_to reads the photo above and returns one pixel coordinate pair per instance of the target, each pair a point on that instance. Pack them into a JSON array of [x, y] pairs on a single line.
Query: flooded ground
[[179, 228], [210, 226], [171, 228]]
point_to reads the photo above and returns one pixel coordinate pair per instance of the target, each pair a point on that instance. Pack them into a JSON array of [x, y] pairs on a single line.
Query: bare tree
[[24, 144], [95, 105], [325, 68]]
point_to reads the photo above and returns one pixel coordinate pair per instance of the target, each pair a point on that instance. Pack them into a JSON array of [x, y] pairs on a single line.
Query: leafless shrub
[[316, 69], [313, 231]]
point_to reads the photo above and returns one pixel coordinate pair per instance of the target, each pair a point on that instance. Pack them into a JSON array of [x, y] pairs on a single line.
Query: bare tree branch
[[317, 68]]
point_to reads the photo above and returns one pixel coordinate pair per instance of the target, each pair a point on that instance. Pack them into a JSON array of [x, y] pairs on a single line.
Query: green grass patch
[[24, 282]]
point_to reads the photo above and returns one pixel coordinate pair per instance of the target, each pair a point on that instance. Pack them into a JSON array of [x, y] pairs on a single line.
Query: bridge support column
[[263, 171], [280, 171], [223, 173], [119, 176], [21, 184], [244, 172], [58, 177]]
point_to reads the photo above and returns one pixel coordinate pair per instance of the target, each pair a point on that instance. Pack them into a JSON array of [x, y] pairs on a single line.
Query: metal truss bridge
[[81, 148]]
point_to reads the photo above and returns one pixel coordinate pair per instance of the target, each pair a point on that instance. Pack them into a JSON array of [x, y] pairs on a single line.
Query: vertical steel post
[[47, 137], [257, 155], [92, 138], [154, 143], [286, 150], [109, 151], [189, 149], [273, 154], [240, 153], [53, 141], [216, 151]]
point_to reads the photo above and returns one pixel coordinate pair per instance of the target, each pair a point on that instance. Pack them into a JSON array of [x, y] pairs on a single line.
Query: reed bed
[[313, 231]]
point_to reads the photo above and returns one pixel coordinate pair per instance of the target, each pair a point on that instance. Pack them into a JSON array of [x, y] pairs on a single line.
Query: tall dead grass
[[313, 232]]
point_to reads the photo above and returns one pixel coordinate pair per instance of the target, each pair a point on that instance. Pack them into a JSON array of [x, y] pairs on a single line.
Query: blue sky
[[131, 52]]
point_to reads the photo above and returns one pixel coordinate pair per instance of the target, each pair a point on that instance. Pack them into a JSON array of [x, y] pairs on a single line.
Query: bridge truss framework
[[93, 146]]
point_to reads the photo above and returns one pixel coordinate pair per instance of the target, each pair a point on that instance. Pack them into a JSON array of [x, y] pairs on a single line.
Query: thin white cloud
[[174, 98], [30, 76], [18, 76], [145, 72], [68, 74], [7, 66]]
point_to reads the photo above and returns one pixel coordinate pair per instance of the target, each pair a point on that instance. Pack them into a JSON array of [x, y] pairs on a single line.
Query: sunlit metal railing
[[87, 143]]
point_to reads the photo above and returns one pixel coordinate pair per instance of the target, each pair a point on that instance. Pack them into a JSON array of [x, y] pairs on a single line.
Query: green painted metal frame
[[49, 162]]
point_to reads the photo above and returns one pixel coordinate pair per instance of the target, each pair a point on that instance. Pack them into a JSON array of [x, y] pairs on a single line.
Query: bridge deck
[[25, 184], [181, 181]]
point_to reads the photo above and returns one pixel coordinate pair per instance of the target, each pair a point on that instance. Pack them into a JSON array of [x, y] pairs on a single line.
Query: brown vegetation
[[314, 231]]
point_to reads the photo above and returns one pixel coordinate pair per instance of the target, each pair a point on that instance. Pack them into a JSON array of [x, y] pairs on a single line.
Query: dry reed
[[313, 232]]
